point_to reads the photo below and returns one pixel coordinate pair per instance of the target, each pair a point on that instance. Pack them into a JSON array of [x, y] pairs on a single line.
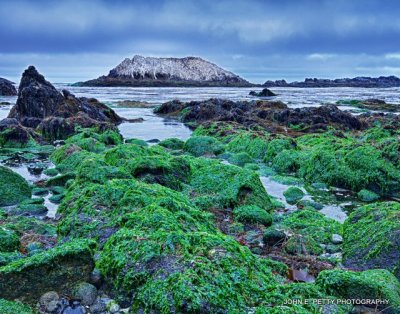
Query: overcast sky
[[76, 40]]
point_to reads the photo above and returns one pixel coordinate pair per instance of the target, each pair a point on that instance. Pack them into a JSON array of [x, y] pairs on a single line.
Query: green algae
[[172, 143], [11, 307], [367, 285], [367, 196], [371, 237], [13, 187], [9, 240], [293, 194], [203, 145], [252, 214]]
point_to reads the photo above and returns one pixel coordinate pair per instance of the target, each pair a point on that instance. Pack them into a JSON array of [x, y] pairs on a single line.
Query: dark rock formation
[[264, 93], [274, 116], [147, 71], [382, 81], [42, 107], [7, 88]]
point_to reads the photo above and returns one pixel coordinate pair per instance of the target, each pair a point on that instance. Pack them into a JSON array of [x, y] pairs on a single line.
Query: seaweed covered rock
[[14, 135], [215, 185], [42, 107], [371, 237], [268, 115], [172, 143], [372, 285], [56, 269], [203, 145], [9, 241], [252, 214], [293, 194], [13, 187], [304, 230]]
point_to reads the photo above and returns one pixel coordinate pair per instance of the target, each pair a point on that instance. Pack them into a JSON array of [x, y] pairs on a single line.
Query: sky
[[76, 40]]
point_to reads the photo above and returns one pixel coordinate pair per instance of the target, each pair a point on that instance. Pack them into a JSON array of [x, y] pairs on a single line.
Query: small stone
[[337, 238], [48, 299], [85, 292], [113, 307], [98, 307], [95, 277]]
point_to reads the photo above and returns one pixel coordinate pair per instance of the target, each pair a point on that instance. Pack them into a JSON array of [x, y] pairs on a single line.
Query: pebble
[[85, 292], [337, 238], [48, 299]]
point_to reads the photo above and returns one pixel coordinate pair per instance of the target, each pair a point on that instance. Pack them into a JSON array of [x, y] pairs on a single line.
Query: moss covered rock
[[215, 185], [377, 284], [13, 187], [252, 214], [304, 230], [293, 194], [203, 145], [240, 159], [54, 270], [367, 196], [172, 143], [9, 240], [372, 238]]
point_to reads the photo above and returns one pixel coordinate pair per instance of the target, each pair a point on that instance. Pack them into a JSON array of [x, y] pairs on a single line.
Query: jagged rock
[[264, 93], [382, 81], [148, 71], [7, 88], [274, 116], [56, 115]]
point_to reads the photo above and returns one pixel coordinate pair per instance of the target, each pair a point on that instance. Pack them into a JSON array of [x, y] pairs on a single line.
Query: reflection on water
[[153, 127], [330, 209]]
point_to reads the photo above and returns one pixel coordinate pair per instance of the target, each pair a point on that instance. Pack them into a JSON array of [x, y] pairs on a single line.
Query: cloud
[[320, 56], [286, 38]]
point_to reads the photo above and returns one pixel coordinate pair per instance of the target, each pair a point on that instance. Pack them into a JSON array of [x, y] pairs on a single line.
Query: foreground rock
[[41, 107], [7, 88], [372, 238], [57, 269], [147, 71], [273, 116], [382, 81], [13, 187], [372, 285]]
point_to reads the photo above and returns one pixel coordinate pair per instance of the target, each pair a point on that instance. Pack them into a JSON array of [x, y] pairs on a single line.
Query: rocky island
[[362, 81], [148, 71]]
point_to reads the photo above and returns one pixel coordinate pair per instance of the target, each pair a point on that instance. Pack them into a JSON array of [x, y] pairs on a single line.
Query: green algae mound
[[13, 187], [371, 237]]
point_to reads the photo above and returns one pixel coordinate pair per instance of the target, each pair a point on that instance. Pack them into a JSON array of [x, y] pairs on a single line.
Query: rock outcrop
[[264, 93], [148, 71], [41, 107], [274, 116], [7, 88], [361, 81]]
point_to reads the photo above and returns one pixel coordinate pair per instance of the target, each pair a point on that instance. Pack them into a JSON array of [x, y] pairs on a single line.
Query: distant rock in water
[[148, 71], [7, 88], [370, 104], [41, 107], [361, 81], [264, 93]]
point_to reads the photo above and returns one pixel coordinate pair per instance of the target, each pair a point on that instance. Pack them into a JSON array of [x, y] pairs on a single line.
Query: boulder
[[42, 107], [377, 284], [57, 269], [7, 88], [371, 238], [13, 188], [264, 93]]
